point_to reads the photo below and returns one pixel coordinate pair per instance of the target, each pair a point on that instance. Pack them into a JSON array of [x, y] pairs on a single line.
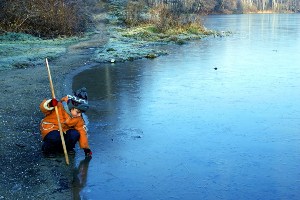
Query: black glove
[[88, 152], [53, 103]]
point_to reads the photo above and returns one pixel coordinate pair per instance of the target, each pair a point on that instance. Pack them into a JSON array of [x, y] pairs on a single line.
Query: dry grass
[[43, 18], [162, 18]]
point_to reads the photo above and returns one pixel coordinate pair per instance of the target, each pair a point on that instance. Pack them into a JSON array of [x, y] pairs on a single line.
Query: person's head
[[78, 102], [75, 112]]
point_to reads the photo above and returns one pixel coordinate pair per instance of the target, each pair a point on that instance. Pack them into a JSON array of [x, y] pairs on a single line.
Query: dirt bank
[[25, 173]]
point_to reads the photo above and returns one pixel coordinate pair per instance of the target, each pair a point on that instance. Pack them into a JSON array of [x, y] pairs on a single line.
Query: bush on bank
[[161, 22], [43, 18], [163, 18]]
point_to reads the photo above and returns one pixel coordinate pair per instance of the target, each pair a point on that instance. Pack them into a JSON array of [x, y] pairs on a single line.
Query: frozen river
[[176, 128]]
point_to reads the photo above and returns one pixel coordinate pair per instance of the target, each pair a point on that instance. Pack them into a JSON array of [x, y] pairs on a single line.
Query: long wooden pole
[[56, 111]]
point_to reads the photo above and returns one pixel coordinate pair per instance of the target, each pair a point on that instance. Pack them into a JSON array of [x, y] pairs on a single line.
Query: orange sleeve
[[65, 98], [83, 139], [45, 108]]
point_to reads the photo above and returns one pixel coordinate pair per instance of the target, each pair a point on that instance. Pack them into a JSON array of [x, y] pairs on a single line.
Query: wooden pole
[[57, 115]]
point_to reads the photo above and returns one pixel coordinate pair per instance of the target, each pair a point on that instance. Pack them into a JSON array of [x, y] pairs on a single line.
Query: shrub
[[133, 12], [43, 18], [163, 18], [168, 19]]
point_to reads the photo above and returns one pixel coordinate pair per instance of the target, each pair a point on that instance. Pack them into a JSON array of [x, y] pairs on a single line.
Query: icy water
[[176, 128]]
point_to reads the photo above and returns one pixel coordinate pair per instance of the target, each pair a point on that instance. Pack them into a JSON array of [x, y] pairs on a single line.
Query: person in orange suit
[[71, 109]]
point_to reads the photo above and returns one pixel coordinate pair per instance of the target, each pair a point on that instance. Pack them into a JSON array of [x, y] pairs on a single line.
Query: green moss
[[110, 49], [151, 33], [152, 29], [193, 30], [151, 56]]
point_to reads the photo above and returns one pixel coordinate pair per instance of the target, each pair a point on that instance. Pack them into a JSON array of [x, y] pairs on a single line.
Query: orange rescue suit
[[49, 123]]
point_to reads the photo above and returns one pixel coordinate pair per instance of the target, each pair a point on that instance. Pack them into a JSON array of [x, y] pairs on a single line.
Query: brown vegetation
[[166, 15], [53, 18], [231, 6], [134, 11], [43, 18], [163, 16]]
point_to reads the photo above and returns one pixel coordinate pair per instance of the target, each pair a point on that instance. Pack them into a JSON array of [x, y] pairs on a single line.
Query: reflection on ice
[[80, 177]]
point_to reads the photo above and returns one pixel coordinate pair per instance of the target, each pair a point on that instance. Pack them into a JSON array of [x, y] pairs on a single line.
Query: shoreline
[[25, 173], [33, 176]]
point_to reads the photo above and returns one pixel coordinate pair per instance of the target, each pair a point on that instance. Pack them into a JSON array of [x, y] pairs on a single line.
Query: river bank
[[25, 173], [33, 176]]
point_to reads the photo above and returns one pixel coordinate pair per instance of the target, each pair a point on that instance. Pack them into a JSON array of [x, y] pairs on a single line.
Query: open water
[[215, 119]]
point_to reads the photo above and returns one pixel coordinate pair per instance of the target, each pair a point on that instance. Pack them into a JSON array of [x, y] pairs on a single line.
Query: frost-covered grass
[[150, 33], [143, 41], [26, 55], [22, 50], [127, 44], [118, 50], [121, 48]]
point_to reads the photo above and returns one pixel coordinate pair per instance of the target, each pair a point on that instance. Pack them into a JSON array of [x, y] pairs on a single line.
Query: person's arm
[[47, 105], [83, 140]]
